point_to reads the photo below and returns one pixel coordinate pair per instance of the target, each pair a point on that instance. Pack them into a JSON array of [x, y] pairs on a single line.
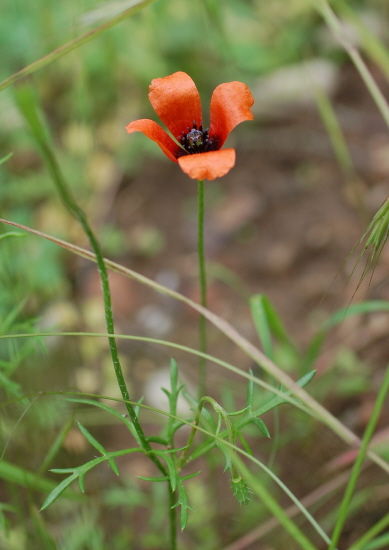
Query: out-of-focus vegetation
[[87, 97]]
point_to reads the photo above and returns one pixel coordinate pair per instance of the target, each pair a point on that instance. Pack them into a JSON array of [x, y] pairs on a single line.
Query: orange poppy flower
[[176, 101]]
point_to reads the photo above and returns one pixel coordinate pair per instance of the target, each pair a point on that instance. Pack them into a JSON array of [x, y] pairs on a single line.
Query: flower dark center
[[197, 140]]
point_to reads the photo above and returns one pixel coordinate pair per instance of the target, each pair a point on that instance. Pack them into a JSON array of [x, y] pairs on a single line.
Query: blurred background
[[312, 169]]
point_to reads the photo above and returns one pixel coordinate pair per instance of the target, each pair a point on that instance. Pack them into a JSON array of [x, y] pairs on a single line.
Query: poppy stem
[[203, 288]]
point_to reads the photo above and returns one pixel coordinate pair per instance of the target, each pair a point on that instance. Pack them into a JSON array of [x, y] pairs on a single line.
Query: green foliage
[[93, 74], [7, 157], [80, 471], [21, 477]]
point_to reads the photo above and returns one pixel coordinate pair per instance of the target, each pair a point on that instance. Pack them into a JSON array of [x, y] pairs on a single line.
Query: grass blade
[[336, 27], [361, 544], [342, 515]]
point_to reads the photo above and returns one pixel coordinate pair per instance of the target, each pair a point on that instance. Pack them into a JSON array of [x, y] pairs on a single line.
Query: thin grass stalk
[[316, 410], [341, 150], [344, 507], [370, 42], [73, 44], [335, 25], [331, 123], [371, 533]]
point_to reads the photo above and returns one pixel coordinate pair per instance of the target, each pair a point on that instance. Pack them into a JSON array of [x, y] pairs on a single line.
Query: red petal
[[208, 166], [176, 101], [154, 131], [230, 105]]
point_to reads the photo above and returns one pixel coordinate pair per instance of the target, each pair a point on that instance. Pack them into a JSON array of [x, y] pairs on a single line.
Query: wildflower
[[197, 150]]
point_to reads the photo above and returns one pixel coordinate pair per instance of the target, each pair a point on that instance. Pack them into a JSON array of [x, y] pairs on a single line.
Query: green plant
[[222, 430]]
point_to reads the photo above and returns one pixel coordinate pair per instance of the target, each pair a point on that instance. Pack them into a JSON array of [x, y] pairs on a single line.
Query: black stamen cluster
[[197, 140]]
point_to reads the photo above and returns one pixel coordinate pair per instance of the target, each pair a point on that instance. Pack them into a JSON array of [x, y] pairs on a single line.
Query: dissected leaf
[[55, 493], [237, 413], [172, 471], [189, 476], [174, 376], [117, 414], [250, 393], [145, 478], [278, 400], [156, 439], [183, 502], [82, 482], [91, 439], [113, 466], [259, 423]]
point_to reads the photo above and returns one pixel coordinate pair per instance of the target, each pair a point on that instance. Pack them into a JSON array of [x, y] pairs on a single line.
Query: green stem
[[220, 411], [80, 215], [28, 104], [342, 514], [203, 288], [172, 519]]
